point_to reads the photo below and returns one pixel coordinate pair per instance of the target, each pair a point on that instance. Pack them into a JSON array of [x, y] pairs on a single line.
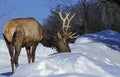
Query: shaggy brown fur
[[51, 39], [22, 32]]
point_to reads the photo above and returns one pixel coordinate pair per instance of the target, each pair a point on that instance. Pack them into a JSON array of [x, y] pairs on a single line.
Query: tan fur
[[29, 26], [9, 30], [22, 32]]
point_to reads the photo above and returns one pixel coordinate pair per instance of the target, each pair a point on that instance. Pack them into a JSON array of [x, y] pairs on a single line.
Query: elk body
[[22, 32], [27, 32]]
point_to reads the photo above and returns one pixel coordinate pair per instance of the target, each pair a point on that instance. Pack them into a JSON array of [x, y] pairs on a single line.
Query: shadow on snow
[[6, 74]]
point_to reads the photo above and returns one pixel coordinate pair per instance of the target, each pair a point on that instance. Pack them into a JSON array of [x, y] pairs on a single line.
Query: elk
[[60, 40], [27, 32], [22, 32]]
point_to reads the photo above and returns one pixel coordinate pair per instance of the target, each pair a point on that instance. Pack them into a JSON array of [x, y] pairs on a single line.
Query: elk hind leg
[[17, 53], [18, 44], [11, 52]]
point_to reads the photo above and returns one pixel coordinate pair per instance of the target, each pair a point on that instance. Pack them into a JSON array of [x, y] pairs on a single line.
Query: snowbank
[[62, 64], [93, 55]]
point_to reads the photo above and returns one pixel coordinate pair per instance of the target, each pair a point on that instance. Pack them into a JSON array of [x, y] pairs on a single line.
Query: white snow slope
[[93, 55]]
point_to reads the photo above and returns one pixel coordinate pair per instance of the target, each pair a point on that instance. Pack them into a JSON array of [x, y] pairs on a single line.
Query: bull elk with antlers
[[60, 40], [27, 32]]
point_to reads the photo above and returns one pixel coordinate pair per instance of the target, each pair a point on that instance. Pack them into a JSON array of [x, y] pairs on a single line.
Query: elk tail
[[8, 32]]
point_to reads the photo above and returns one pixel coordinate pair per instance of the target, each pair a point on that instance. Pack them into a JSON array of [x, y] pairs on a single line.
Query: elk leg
[[18, 43], [11, 52], [34, 46], [17, 53], [28, 54]]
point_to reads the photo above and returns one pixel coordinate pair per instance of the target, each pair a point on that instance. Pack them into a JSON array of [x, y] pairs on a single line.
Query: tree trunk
[[85, 15]]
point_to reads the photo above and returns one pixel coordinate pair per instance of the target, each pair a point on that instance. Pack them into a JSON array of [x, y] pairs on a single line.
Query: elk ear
[[59, 36]]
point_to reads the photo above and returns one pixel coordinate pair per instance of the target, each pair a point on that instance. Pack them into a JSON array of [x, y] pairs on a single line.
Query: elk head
[[63, 35]]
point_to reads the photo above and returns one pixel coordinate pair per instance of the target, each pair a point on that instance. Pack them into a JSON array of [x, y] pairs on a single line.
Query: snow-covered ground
[[93, 55]]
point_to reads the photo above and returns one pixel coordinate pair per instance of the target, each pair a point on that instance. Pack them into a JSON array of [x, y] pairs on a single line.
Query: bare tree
[[85, 14]]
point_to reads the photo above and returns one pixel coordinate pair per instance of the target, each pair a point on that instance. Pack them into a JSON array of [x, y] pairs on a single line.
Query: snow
[[93, 55]]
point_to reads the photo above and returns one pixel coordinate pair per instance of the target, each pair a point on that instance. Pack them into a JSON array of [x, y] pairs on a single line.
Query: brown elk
[[27, 32], [22, 32], [59, 40]]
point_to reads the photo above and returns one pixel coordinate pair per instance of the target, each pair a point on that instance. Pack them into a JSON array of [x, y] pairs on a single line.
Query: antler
[[66, 24]]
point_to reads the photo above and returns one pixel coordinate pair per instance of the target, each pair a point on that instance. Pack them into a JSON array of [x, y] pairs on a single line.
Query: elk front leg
[[28, 54], [34, 46]]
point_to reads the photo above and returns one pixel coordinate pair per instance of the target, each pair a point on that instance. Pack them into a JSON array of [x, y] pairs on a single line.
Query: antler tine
[[60, 14], [67, 15], [72, 16], [69, 19], [63, 18], [73, 35]]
